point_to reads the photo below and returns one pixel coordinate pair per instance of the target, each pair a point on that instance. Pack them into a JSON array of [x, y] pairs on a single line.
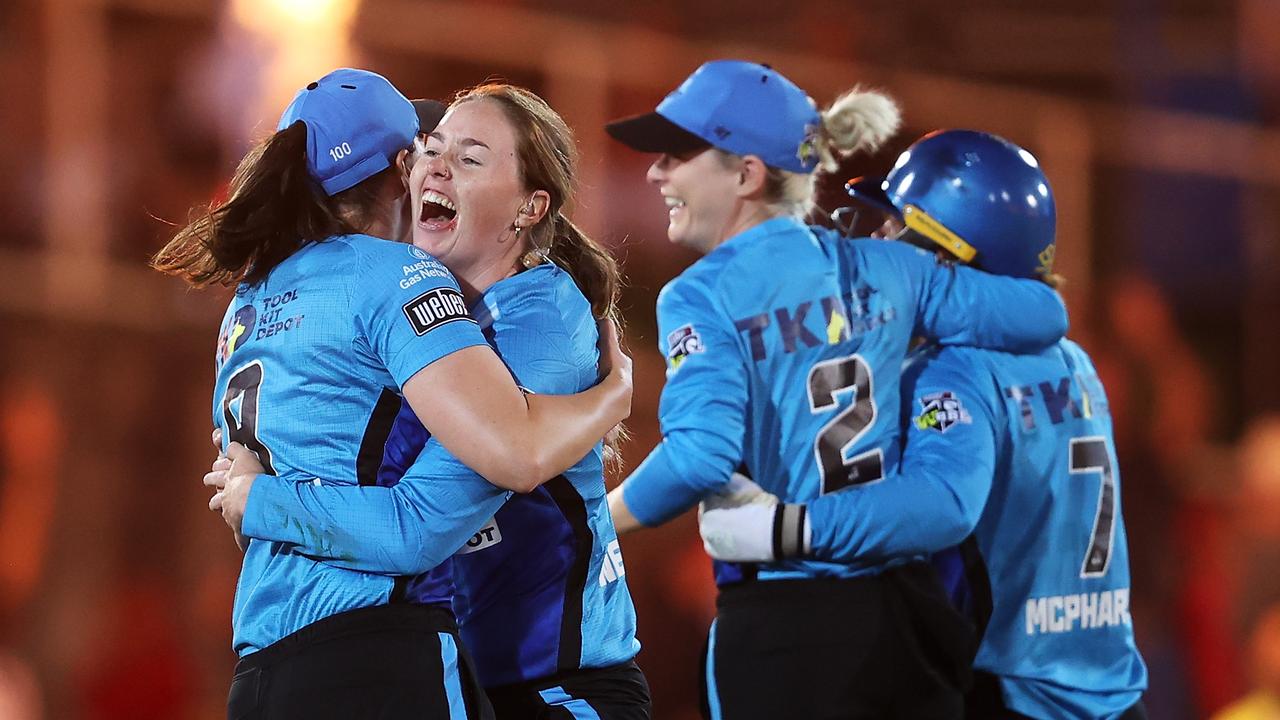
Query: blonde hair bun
[[859, 120]]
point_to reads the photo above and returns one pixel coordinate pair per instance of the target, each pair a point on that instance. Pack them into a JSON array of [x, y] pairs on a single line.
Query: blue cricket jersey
[[1022, 447], [541, 587], [784, 348], [309, 363]]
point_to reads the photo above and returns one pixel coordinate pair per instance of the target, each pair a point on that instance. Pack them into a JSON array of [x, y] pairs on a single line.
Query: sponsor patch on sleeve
[[941, 411], [434, 308], [681, 343], [488, 536]]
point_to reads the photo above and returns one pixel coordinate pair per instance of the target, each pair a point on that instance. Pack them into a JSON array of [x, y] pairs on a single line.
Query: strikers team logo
[[1046, 257], [434, 308], [681, 343], [237, 332], [807, 151], [941, 411]]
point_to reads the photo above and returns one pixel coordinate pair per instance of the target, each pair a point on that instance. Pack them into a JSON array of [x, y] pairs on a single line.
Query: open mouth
[[674, 205], [437, 212]]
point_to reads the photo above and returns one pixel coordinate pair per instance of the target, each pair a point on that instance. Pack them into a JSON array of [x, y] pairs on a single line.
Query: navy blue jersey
[[540, 586], [784, 347], [309, 361], [1019, 450]]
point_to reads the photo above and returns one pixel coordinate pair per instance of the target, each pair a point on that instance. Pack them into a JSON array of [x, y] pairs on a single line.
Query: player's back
[[310, 361], [1052, 539], [823, 323]]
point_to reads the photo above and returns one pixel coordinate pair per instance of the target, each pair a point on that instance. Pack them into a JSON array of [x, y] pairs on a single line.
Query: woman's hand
[[615, 365], [231, 477]]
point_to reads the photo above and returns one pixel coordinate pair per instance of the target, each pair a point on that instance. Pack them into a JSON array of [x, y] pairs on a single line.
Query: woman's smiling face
[[467, 189]]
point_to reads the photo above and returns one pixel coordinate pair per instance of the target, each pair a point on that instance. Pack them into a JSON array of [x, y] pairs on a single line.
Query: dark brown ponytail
[[274, 209], [592, 267]]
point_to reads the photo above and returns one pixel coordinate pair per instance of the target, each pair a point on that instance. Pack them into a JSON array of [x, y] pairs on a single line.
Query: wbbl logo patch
[[941, 411], [681, 343], [237, 332], [434, 308]]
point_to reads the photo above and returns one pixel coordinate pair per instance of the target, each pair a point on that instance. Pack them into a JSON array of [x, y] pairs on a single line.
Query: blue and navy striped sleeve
[[936, 497], [404, 529], [958, 305], [702, 410]]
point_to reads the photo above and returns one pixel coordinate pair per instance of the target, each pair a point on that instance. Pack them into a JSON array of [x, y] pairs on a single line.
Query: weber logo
[[488, 536], [434, 308]]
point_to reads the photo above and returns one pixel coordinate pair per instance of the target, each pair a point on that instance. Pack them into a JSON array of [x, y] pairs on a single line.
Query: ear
[[751, 177], [402, 163], [535, 208]]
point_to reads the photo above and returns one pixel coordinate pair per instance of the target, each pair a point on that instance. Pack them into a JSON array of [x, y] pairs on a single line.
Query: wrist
[[258, 490], [791, 532], [619, 395]]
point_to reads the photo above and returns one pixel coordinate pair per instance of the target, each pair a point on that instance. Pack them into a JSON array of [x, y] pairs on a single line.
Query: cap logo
[[722, 132], [807, 152], [1046, 259]]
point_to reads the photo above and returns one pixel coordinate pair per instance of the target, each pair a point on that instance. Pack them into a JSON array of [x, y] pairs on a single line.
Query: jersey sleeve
[[702, 410], [959, 305], [404, 529], [936, 497], [408, 309]]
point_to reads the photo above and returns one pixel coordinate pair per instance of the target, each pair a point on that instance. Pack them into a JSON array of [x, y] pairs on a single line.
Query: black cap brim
[[653, 133], [867, 191], [429, 114]]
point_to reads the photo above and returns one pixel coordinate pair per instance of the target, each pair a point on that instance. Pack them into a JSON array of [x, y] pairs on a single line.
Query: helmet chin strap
[[924, 224]]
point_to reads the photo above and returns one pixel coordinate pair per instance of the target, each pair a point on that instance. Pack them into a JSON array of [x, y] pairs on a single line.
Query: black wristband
[[788, 531]]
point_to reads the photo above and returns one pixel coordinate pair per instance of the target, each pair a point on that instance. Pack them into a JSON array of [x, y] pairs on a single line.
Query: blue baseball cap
[[741, 107], [356, 123]]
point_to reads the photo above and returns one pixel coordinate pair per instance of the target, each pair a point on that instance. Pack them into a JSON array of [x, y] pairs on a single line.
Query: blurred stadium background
[[1158, 122]]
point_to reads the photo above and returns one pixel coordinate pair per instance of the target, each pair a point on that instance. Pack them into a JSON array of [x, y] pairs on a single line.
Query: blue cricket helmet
[[980, 197]]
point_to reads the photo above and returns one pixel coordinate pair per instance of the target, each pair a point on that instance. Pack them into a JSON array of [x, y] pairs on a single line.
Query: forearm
[[562, 429], [398, 530], [673, 478], [471, 405], [900, 516], [1011, 314], [624, 521]]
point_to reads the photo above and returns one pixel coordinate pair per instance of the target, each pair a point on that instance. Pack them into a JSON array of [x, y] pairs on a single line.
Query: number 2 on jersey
[[244, 386], [1090, 455], [828, 380]]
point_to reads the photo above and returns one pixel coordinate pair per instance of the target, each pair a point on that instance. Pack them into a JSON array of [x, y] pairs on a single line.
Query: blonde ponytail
[[857, 121]]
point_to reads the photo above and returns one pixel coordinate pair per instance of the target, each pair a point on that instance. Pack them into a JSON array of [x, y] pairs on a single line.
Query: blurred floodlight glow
[[294, 42], [287, 17]]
